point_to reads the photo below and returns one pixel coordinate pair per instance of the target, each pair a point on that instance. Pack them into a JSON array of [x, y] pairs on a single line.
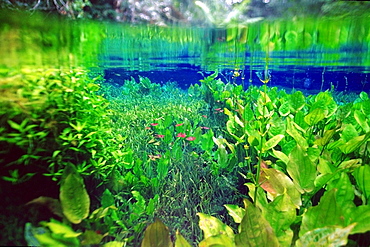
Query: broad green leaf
[[114, 244], [162, 168], [107, 199], [350, 164], [90, 237], [361, 216], [238, 121], [280, 155], [236, 212], [272, 143], [284, 109], [55, 240], [277, 126], [181, 241], [230, 126], [60, 228], [152, 204], [314, 116], [345, 192], [157, 234], [228, 112], [326, 213], [276, 183], [265, 99], [349, 132], [324, 99], [248, 114], [297, 101], [299, 121], [211, 226], [207, 141], [313, 153], [281, 213], [326, 236], [293, 132], [361, 120], [255, 230], [328, 134], [354, 144], [261, 200], [253, 140], [140, 203], [301, 169], [365, 107], [325, 167], [362, 175], [73, 196], [364, 96], [217, 241]]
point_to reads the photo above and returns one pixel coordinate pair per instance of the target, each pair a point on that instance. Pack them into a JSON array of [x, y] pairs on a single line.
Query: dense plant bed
[[105, 161]]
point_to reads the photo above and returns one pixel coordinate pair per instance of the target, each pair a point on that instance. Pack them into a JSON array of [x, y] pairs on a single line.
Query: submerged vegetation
[[106, 162]]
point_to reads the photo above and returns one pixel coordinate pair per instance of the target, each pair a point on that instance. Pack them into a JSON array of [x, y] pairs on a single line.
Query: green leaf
[[345, 192], [107, 199], [217, 241], [281, 213], [292, 130], [314, 116], [354, 144], [73, 196], [60, 228], [277, 126], [54, 240], [349, 132], [207, 141], [114, 244], [236, 212], [327, 213], [90, 237], [297, 101], [277, 183], [328, 134], [280, 155], [301, 169], [16, 126], [362, 175], [181, 241], [284, 109], [361, 120], [157, 234], [212, 226], [361, 216], [272, 142], [326, 101], [255, 230], [326, 236], [152, 204]]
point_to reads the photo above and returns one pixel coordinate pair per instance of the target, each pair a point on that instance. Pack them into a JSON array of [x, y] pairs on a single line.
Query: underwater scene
[[185, 123]]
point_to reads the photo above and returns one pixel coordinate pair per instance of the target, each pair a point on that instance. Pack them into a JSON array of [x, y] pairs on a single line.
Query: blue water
[[311, 78]]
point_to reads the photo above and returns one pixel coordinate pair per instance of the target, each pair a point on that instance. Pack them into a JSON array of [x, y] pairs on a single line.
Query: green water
[[40, 40]]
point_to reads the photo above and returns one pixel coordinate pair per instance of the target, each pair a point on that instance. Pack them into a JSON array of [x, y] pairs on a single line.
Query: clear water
[[306, 54]]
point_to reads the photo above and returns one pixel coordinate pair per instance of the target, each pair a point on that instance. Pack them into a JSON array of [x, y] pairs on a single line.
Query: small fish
[[307, 83]]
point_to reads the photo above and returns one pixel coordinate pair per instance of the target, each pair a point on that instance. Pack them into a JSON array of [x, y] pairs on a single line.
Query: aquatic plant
[[162, 152], [297, 137]]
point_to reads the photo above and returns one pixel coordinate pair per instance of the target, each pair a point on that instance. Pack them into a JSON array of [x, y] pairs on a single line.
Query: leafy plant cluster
[[300, 162], [54, 119], [130, 145], [305, 160]]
